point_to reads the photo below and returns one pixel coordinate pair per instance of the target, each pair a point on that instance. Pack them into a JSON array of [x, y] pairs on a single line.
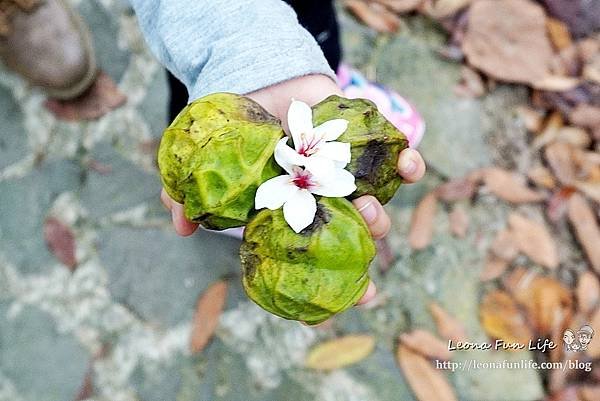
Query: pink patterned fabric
[[393, 106]]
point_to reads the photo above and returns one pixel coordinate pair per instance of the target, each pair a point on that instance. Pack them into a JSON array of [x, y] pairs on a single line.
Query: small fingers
[[182, 226], [376, 218], [369, 294], [411, 165]]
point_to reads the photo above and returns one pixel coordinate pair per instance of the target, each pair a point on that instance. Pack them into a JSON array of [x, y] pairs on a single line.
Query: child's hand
[[312, 89]]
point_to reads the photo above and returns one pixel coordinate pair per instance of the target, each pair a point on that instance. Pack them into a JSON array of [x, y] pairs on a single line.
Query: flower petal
[[331, 130], [299, 121], [299, 211], [341, 184], [321, 168], [287, 157], [275, 192], [336, 151]]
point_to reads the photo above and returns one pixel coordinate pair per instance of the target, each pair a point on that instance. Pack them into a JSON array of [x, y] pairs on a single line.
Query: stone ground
[[121, 320]]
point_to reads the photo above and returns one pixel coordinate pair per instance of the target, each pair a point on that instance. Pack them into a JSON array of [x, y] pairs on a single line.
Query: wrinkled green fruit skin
[[215, 154], [312, 275], [375, 144]]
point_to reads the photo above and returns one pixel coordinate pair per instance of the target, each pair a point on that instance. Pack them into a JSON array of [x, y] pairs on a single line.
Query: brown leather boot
[[48, 44]]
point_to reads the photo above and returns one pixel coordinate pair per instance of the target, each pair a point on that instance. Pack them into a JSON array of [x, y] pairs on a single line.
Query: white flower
[[315, 146], [315, 166]]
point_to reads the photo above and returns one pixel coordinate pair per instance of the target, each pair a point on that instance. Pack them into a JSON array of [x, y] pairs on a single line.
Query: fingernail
[[407, 166], [368, 212]]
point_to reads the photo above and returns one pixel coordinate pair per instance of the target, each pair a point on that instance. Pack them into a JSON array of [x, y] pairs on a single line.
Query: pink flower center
[[302, 179], [307, 148]]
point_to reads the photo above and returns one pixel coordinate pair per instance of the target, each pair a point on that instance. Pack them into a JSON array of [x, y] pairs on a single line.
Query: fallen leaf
[[504, 246], [426, 382], [501, 318], [426, 344], [206, 317], [340, 352], [531, 117], [591, 70], [585, 115], [559, 33], [589, 189], [401, 6], [102, 97], [587, 292], [507, 40], [379, 19], [581, 16], [422, 223], [459, 221], [457, 189], [559, 156], [547, 302], [548, 134], [588, 48], [533, 240], [574, 136], [556, 83], [494, 268], [542, 177], [557, 204], [440, 9], [448, 326], [509, 186], [61, 242], [585, 224]]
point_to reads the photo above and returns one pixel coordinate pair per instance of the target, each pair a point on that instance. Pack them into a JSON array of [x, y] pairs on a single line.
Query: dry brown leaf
[[575, 136], [588, 48], [459, 221], [557, 204], [589, 392], [426, 344], [377, 18], [509, 186], [560, 158], [587, 231], [585, 115], [542, 177], [531, 117], [591, 71], [422, 223], [587, 292], [448, 326], [444, 8], [556, 83], [548, 134], [502, 319], [507, 40], [548, 303], [426, 382], [504, 246], [589, 189], [533, 240], [340, 352], [206, 317], [401, 6], [60, 241], [457, 189], [559, 33], [494, 268]]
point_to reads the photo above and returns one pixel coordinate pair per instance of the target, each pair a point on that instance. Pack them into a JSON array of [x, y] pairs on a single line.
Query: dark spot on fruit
[[254, 112], [343, 106], [371, 160], [294, 252], [322, 217], [250, 260]]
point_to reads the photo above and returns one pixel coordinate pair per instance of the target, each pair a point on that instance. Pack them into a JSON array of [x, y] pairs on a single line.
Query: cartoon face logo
[[568, 339], [584, 335]]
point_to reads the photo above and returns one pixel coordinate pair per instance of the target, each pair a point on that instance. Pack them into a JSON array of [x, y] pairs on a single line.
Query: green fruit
[[215, 154], [375, 144], [312, 275]]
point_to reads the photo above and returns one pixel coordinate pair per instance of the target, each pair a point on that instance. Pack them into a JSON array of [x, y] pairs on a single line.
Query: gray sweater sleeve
[[234, 46]]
